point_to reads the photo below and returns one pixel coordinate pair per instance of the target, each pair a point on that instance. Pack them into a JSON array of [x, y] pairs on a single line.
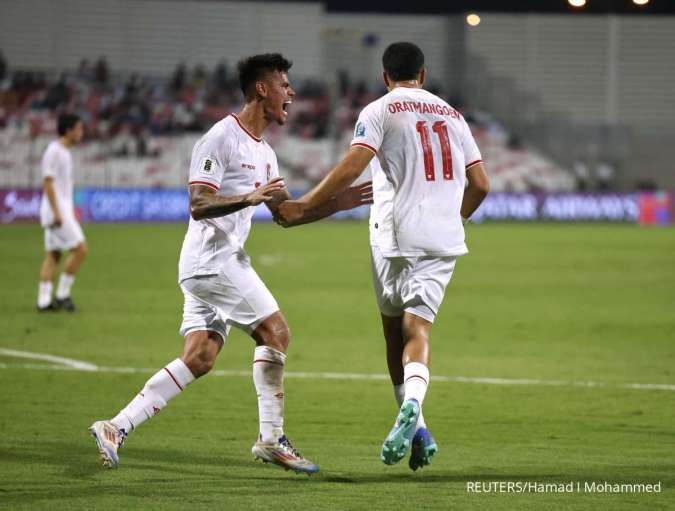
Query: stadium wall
[[152, 36]]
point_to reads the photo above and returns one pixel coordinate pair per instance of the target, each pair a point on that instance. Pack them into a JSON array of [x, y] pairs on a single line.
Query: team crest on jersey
[[206, 167], [360, 130]]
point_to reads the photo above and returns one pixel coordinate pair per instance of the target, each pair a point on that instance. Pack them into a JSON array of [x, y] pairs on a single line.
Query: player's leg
[[47, 271], [204, 334], [66, 280], [199, 354], [414, 332], [272, 337], [392, 327]]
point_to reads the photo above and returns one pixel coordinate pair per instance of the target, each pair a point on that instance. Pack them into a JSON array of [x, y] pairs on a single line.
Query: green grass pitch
[[570, 303]]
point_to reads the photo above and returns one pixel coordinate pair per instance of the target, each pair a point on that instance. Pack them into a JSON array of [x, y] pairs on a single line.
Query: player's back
[[424, 147]]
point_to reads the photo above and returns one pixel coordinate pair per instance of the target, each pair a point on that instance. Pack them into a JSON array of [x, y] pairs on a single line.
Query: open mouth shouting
[[284, 107]]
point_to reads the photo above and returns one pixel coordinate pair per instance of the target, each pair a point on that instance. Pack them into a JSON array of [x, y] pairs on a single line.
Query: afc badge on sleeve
[[360, 130], [207, 166]]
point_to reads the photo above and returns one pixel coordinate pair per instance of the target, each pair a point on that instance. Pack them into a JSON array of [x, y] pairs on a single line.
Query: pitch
[[579, 312]]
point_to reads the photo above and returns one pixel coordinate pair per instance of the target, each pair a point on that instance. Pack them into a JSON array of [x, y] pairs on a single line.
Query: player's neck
[[65, 142], [252, 116], [408, 84]]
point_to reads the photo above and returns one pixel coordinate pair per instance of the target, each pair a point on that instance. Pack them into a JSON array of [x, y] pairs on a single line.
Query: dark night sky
[[460, 6]]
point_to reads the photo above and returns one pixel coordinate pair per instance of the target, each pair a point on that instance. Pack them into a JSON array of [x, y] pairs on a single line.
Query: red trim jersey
[[423, 148], [232, 161]]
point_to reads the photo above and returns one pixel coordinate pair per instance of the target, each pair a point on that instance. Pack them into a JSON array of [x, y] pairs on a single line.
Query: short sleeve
[[50, 163], [210, 158], [472, 154], [368, 131], [272, 165]]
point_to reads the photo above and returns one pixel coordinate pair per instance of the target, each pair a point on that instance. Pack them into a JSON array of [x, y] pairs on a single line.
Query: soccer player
[[232, 169], [57, 216], [428, 178]]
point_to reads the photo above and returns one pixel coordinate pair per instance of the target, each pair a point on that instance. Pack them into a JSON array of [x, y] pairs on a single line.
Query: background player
[[426, 155], [231, 170], [57, 216]]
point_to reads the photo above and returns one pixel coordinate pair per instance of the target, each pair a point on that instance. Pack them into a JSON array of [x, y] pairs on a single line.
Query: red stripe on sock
[[268, 361], [418, 376], [173, 378]]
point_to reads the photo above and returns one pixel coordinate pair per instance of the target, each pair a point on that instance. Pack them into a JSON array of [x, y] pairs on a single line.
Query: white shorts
[[410, 284], [237, 296], [66, 237]]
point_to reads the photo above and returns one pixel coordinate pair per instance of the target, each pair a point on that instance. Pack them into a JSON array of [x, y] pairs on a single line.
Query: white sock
[[415, 380], [268, 377], [399, 393], [65, 283], [158, 390], [44, 293]]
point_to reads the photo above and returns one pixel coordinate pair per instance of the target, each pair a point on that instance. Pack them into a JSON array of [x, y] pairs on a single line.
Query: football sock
[[415, 380], [164, 385], [44, 293], [65, 283], [399, 393], [268, 377]]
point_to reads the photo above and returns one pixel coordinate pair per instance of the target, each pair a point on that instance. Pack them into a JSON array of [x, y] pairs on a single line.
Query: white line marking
[[67, 364]]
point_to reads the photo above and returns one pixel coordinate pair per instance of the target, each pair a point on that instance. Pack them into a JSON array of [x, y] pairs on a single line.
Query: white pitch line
[[76, 365]]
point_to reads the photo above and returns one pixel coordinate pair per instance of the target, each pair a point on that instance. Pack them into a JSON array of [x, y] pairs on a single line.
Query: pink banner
[[19, 205]]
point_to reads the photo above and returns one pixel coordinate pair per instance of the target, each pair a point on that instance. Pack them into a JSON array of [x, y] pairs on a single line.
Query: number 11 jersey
[[424, 148]]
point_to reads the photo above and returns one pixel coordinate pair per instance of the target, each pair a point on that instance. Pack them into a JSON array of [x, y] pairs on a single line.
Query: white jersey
[[423, 148], [57, 163], [233, 161]]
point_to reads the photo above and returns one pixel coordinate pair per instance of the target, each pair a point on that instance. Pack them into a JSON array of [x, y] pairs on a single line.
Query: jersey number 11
[[441, 129]]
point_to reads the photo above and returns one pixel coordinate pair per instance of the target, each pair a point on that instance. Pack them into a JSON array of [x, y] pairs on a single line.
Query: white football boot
[[283, 453], [108, 439]]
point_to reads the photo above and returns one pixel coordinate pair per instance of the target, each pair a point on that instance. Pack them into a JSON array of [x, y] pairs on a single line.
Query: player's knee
[[199, 363], [278, 337], [273, 332], [82, 250], [200, 353]]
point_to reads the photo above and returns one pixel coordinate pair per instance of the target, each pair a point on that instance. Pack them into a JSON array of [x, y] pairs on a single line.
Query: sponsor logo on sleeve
[[360, 130], [207, 167]]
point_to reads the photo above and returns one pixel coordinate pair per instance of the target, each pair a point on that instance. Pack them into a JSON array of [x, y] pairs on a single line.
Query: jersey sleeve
[[272, 166], [369, 129], [472, 154], [50, 163], [210, 158]]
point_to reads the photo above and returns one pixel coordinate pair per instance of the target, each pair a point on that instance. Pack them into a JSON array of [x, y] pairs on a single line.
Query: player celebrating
[[425, 157], [57, 216], [232, 169]]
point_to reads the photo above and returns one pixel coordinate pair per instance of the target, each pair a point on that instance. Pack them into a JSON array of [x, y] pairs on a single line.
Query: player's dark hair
[[253, 68], [66, 123], [402, 61]]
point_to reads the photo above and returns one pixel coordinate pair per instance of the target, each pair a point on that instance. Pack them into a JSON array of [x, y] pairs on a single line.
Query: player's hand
[[291, 210], [355, 196], [58, 221], [265, 192]]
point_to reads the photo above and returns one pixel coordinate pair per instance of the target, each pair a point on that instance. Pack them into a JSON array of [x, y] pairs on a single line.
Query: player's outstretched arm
[[476, 191], [337, 181], [350, 198], [204, 203]]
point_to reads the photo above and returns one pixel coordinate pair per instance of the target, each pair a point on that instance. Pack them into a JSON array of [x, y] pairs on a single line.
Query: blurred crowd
[[190, 100]]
